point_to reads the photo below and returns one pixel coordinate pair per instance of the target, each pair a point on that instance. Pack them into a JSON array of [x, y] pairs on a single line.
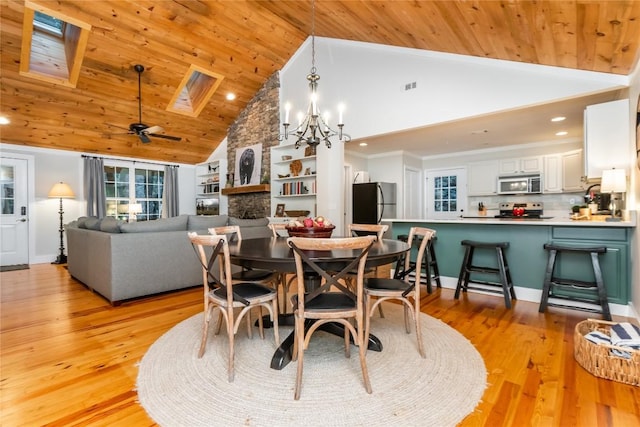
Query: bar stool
[[552, 282], [431, 270], [502, 271]]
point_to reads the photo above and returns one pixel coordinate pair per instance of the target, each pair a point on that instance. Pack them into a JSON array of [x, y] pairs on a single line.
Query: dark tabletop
[[274, 254]]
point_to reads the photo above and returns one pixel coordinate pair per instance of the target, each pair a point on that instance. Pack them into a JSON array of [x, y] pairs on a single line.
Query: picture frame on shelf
[[280, 210], [309, 150]]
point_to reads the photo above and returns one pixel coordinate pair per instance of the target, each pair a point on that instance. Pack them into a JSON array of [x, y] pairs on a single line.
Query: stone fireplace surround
[[258, 123]]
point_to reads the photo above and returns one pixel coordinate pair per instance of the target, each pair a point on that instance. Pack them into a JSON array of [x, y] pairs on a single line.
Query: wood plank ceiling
[[247, 41]]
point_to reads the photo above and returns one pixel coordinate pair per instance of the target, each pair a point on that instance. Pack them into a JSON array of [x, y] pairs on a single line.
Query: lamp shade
[[613, 181], [61, 191]]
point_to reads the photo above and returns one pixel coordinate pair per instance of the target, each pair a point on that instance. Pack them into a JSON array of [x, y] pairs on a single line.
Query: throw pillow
[[93, 223], [80, 222], [110, 225], [177, 223]]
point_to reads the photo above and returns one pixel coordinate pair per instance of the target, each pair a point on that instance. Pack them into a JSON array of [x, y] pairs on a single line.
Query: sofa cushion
[[204, 222], [252, 228], [110, 225], [92, 223], [177, 223], [258, 222]]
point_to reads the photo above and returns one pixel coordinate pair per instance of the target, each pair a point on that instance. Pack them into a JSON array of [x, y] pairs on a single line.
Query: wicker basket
[[597, 358]]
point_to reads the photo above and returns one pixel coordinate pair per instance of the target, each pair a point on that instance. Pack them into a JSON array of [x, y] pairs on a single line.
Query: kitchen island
[[526, 256]]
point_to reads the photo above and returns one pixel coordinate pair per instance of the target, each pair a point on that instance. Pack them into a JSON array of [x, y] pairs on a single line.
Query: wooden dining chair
[[332, 301], [224, 293], [284, 279], [378, 289], [378, 230], [233, 233], [365, 229], [278, 229]]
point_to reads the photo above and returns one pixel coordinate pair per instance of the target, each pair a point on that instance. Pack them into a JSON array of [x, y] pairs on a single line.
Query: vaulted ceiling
[[245, 42]]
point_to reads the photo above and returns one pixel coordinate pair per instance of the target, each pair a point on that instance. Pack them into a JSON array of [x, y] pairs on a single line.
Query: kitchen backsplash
[[552, 202]]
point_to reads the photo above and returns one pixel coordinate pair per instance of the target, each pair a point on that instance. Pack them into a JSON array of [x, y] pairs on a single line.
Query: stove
[[531, 210]]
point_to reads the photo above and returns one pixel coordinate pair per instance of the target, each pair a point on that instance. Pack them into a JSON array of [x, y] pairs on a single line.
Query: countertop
[[561, 219]]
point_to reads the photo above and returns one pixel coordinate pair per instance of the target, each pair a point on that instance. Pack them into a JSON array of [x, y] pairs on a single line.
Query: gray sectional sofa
[[122, 260]]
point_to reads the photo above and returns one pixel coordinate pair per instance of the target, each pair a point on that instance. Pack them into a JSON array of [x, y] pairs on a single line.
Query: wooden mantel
[[259, 188]]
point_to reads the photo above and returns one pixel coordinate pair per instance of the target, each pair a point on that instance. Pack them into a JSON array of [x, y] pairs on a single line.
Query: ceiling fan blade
[[173, 138], [143, 137], [154, 129]]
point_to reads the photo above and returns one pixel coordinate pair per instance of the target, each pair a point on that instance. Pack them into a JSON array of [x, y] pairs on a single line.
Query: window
[[48, 24], [446, 193], [53, 45], [7, 197], [445, 197], [125, 185]]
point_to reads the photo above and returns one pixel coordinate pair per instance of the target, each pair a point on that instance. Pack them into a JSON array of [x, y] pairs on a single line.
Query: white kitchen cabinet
[[210, 179], [606, 137], [572, 171], [482, 178], [294, 186], [552, 177], [521, 165]]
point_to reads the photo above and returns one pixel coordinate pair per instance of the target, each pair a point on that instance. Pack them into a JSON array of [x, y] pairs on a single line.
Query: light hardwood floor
[[69, 358]]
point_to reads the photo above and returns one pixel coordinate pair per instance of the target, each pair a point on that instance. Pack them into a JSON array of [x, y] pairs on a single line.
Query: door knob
[[21, 220]]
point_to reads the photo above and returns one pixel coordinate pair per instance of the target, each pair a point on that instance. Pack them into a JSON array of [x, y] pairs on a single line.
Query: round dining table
[[274, 254]]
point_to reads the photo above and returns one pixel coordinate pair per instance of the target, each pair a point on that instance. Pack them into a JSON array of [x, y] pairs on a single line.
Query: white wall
[[369, 79], [51, 166]]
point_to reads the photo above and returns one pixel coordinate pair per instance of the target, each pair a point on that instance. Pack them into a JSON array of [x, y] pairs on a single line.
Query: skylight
[[48, 24]]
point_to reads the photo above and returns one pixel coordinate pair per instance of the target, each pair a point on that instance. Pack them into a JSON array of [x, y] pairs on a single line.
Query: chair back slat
[[367, 229]]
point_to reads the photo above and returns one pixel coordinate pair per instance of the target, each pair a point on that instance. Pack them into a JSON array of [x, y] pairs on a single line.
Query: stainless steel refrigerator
[[373, 202]]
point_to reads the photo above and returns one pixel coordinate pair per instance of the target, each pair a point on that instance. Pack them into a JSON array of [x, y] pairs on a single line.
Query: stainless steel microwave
[[520, 184]]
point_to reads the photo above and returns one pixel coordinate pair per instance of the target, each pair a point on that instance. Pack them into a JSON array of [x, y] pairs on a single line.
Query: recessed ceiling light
[[4, 120], [558, 119], [562, 133], [231, 96], [363, 144]]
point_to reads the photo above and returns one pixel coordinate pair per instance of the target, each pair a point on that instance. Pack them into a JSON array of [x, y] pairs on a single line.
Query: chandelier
[[313, 128]]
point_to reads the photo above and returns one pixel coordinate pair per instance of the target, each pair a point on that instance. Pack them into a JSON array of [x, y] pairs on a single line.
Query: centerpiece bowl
[[310, 231]]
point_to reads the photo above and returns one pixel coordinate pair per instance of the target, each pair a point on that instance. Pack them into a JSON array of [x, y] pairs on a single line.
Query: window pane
[[7, 190], [109, 189], [109, 174], [122, 190], [154, 191], [140, 191]]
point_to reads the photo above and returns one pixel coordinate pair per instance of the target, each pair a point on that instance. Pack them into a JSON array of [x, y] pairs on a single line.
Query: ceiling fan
[[140, 129]]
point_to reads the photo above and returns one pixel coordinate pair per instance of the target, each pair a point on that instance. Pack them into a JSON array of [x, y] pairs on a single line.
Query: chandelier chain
[[313, 36], [313, 128]]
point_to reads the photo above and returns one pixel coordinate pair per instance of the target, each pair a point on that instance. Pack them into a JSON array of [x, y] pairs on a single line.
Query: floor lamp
[[61, 191]]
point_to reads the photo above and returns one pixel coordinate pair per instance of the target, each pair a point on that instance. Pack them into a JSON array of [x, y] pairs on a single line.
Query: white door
[[412, 194], [446, 193], [14, 225]]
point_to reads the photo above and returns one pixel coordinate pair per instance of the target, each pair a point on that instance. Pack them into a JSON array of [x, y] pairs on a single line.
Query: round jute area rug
[[178, 389]]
